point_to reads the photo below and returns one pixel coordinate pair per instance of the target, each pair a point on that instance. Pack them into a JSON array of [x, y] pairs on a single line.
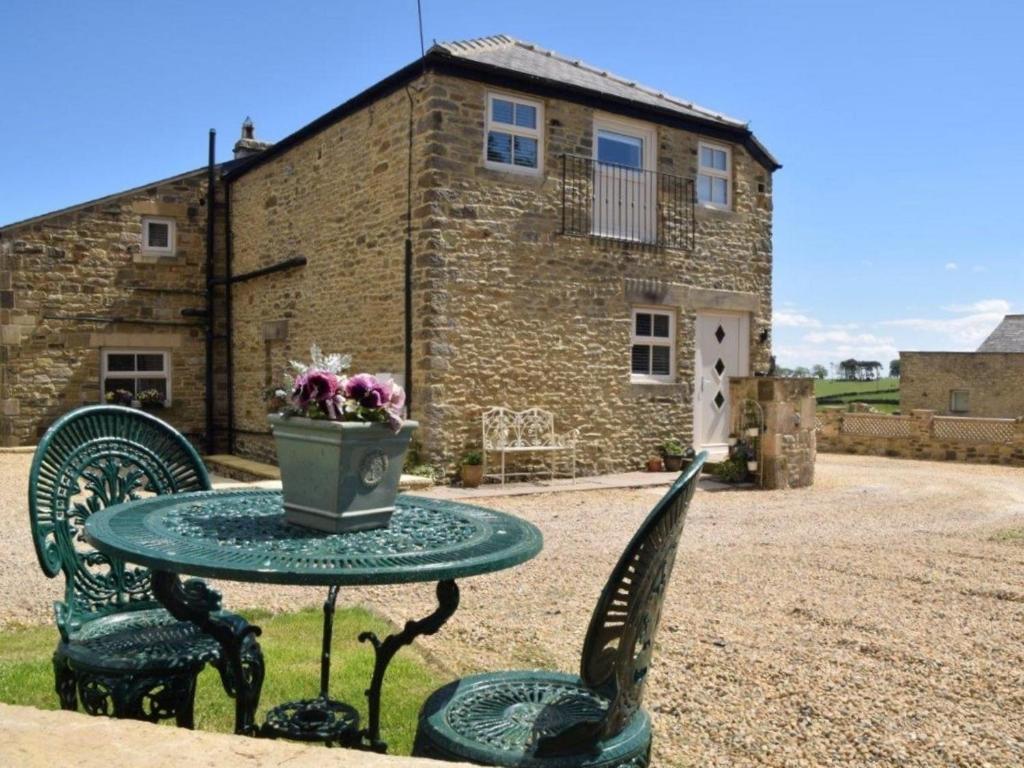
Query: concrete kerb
[[27, 741]]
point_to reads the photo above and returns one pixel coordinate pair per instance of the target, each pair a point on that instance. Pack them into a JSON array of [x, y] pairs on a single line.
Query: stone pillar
[[788, 439]]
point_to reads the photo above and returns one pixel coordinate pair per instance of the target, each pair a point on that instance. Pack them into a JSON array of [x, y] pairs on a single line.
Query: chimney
[[249, 144]]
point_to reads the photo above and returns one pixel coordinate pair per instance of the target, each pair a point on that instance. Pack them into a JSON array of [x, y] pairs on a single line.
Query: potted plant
[[654, 464], [472, 469], [672, 451], [341, 443], [151, 399], [120, 397]]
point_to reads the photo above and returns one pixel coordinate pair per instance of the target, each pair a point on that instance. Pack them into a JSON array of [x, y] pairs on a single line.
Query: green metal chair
[[534, 719], [120, 653]]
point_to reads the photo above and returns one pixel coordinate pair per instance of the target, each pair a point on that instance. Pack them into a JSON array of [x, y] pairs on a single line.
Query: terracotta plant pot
[[673, 463], [472, 475], [654, 464]]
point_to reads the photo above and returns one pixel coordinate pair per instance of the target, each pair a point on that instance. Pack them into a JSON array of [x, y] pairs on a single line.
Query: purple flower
[[367, 390], [314, 386]]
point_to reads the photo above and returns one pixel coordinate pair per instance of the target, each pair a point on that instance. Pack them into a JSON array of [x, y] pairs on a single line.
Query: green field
[[860, 391], [291, 647]]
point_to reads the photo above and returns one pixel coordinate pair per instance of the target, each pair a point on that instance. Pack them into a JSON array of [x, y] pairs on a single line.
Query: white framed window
[[512, 137], [135, 371], [158, 236], [714, 175], [652, 351], [958, 401]]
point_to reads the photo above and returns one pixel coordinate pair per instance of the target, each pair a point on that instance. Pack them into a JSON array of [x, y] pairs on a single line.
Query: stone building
[[988, 382], [494, 224]]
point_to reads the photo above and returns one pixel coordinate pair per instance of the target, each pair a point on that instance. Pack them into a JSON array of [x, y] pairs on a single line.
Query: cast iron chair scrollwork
[[120, 653], [557, 720]]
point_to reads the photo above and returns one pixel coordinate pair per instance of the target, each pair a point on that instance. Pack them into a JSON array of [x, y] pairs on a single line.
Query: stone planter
[[654, 464], [472, 475], [339, 475]]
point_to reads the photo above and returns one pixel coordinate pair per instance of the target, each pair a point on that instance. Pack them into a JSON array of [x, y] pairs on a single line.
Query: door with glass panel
[[723, 347], [625, 204]]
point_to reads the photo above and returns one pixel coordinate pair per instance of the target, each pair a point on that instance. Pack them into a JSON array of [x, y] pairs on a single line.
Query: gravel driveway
[[876, 619]]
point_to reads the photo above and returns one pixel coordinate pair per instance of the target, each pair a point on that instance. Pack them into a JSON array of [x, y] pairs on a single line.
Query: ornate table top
[[241, 535]]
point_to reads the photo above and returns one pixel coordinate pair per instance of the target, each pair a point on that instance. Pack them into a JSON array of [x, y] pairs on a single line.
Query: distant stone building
[[493, 224], [988, 382]]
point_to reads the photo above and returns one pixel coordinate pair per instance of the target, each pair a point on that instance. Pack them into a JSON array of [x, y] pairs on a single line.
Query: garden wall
[[923, 435]]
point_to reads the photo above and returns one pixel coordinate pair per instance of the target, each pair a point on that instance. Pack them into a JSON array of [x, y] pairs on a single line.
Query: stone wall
[[788, 444], [75, 282], [525, 316], [922, 435], [994, 382], [507, 311], [339, 199]]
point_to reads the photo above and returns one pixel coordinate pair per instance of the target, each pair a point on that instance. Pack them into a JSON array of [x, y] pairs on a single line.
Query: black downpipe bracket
[[210, 218]]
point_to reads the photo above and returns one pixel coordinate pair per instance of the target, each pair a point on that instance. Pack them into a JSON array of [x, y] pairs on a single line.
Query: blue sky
[[898, 214]]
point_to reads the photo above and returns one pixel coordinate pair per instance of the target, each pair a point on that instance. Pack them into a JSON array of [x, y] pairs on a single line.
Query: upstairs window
[[652, 355], [513, 134], [158, 236], [714, 175], [136, 371]]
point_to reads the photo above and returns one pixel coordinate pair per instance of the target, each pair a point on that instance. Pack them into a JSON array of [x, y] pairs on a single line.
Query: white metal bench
[[531, 431]]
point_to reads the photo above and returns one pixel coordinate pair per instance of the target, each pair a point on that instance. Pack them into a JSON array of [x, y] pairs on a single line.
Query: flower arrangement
[[151, 398], [120, 397], [320, 390]]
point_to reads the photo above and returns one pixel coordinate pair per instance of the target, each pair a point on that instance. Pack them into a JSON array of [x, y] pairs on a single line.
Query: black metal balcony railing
[[615, 202]]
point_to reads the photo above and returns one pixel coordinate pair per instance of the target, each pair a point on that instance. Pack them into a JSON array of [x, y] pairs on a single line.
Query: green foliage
[[672, 447], [291, 645], [881, 394], [732, 470], [473, 458]]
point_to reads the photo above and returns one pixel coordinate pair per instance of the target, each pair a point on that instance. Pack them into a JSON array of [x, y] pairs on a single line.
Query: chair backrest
[[620, 640], [91, 458], [505, 428]]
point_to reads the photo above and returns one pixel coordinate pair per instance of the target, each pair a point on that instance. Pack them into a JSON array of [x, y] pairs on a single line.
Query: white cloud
[[951, 266], [847, 338], [971, 324], [979, 268], [785, 318]]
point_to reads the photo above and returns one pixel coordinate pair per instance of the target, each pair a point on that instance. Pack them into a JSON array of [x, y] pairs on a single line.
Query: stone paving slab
[[35, 738]]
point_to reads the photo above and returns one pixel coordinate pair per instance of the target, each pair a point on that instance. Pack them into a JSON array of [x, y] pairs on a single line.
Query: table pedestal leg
[[448, 601], [241, 659]]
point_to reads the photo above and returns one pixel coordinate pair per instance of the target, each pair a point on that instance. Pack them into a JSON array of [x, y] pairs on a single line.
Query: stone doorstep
[[35, 738], [248, 471]]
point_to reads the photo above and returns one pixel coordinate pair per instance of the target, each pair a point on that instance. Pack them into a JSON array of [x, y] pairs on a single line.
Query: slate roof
[[1007, 337], [526, 58]]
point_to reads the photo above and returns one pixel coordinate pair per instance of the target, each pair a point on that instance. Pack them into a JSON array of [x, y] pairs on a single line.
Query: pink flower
[[314, 386], [367, 390]]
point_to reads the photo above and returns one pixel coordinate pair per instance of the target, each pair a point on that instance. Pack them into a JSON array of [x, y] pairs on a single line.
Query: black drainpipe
[[210, 217], [408, 266], [228, 337]]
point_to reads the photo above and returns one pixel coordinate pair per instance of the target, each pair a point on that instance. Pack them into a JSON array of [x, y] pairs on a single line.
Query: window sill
[[149, 257], [703, 210], [672, 389], [514, 172]]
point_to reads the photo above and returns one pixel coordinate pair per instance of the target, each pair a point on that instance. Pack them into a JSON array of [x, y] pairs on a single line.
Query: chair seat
[[139, 641], [498, 719]]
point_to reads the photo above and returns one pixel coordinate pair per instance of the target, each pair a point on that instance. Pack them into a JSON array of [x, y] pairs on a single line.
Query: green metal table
[[241, 535]]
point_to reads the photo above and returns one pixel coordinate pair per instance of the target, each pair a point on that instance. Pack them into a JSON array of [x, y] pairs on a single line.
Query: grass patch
[[291, 647], [874, 393], [1009, 536]]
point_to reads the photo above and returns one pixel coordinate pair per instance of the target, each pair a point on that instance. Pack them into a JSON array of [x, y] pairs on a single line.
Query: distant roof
[[516, 64], [1007, 337], [222, 167]]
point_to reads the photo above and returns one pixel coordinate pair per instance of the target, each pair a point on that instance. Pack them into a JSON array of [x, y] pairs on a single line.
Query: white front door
[[722, 351], [625, 204]]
